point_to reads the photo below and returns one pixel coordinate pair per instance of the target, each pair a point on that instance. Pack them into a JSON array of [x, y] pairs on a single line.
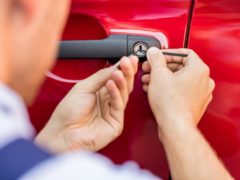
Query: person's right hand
[[179, 89]]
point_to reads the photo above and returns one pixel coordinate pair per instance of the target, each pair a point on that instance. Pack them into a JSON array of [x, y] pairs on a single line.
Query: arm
[[179, 91], [21, 159], [190, 156]]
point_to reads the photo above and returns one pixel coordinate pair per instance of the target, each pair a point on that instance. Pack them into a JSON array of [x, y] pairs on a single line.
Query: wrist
[[43, 139], [47, 139], [174, 125], [58, 142]]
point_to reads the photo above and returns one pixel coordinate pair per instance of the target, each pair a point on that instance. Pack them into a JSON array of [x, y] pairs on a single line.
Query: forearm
[[189, 155]]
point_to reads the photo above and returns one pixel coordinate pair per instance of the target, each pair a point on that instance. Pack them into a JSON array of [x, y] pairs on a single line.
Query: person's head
[[4, 43], [35, 28]]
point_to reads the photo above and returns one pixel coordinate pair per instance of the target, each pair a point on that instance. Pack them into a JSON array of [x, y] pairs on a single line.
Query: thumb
[[156, 58], [96, 81]]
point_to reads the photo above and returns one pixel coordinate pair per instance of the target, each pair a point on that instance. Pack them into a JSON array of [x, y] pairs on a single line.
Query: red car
[[109, 29]]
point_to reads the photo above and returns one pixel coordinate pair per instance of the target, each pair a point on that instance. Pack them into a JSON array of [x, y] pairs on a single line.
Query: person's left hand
[[91, 115]]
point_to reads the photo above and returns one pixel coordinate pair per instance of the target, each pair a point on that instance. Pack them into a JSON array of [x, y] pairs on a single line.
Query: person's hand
[[178, 88], [92, 113]]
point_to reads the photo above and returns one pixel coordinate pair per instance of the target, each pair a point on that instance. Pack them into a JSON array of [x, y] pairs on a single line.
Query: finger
[[121, 83], [145, 88], [192, 63], [212, 85], [128, 71], [116, 107], [146, 67], [209, 97], [116, 99], [175, 60], [156, 58], [157, 62], [205, 106], [95, 82], [192, 57], [134, 61], [175, 66], [146, 79], [192, 60]]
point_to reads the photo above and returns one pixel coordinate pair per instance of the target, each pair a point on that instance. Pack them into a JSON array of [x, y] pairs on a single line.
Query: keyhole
[[140, 49]]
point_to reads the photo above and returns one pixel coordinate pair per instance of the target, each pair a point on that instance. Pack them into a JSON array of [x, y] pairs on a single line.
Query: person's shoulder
[[20, 156], [14, 120]]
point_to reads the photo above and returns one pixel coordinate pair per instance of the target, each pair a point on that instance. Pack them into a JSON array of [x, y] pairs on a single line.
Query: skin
[[179, 90], [4, 45], [35, 28], [92, 114]]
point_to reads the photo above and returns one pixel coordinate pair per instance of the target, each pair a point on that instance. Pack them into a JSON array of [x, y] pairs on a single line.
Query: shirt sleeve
[[20, 158], [87, 166]]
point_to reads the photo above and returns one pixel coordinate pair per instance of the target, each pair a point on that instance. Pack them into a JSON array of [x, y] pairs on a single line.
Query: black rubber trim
[[112, 48], [189, 23]]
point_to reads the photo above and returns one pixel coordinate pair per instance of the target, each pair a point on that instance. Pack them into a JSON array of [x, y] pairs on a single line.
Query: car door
[[164, 20], [215, 36]]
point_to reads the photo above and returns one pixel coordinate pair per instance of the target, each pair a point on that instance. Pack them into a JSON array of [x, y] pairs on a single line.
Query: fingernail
[[152, 51]]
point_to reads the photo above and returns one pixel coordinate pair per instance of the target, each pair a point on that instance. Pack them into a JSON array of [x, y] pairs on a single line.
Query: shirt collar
[[14, 119]]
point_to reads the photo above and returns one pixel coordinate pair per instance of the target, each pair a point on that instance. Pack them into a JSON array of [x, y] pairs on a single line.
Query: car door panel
[[215, 36], [97, 19]]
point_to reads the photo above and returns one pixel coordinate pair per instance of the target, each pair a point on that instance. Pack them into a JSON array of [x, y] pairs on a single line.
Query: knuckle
[[159, 71], [125, 104], [212, 84], [210, 98], [189, 51], [79, 85], [104, 70], [205, 70], [130, 89], [118, 130]]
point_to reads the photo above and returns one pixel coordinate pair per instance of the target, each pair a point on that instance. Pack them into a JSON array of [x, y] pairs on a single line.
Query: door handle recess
[[112, 48]]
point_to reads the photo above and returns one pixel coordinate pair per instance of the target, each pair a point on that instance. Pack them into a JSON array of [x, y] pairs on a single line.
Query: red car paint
[[215, 36], [214, 28]]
